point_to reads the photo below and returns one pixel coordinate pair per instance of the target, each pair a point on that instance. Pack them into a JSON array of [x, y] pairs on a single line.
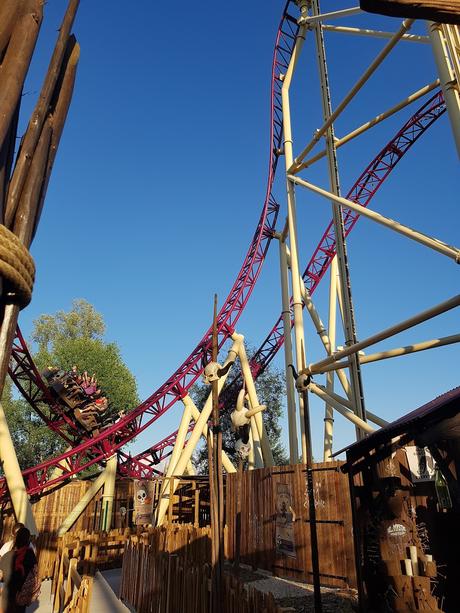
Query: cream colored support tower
[[188, 450], [288, 357], [16, 486], [329, 410], [82, 504], [292, 223], [109, 492], [445, 41], [253, 401]]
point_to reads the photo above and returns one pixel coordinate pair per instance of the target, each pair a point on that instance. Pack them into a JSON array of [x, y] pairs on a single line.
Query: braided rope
[[17, 268]]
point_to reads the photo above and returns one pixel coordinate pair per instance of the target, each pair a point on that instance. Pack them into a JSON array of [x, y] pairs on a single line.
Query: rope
[[17, 268]]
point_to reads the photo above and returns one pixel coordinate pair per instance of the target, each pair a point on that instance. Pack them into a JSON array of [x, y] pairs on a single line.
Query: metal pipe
[[394, 353], [428, 241], [380, 336], [288, 357], [253, 400], [328, 409], [292, 223], [449, 81], [14, 479], [109, 492], [191, 443], [180, 439], [332, 15], [410, 38], [407, 23], [338, 142], [350, 415], [339, 229], [347, 403], [82, 504]]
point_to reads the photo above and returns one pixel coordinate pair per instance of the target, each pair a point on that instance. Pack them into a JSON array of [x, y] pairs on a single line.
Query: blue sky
[[161, 174]]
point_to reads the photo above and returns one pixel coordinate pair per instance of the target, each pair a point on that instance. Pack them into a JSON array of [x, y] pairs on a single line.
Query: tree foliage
[[69, 339], [270, 387]]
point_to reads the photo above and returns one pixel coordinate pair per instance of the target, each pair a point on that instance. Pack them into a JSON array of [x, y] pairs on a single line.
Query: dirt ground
[[299, 596]]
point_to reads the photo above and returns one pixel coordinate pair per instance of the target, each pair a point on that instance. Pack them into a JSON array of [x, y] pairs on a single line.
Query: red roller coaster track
[[98, 449]]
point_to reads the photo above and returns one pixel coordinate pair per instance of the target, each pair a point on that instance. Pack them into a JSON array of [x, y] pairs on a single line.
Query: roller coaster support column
[[180, 439], [254, 402], [342, 257], [445, 39], [109, 492], [82, 504], [292, 224], [329, 411], [16, 486], [288, 357], [191, 444], [256, 446]]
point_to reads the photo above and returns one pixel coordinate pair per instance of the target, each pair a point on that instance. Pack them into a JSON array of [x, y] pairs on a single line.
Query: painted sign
[[421, 463], [143, 502], [284, 524]]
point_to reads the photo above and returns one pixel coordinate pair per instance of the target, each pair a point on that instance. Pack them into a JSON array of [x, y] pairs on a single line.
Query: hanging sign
[[143, 502], [284, 524], [421, 463]]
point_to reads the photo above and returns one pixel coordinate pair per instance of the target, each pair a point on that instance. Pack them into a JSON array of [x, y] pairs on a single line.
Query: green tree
[[33, 440], [270, 386], [69, 339]]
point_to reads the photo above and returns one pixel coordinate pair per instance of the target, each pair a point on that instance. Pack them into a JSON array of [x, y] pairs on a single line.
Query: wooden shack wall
[[257, 491]]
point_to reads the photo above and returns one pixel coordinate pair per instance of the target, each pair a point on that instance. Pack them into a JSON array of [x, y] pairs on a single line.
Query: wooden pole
[[8, 15], [40, 113], [16, 62], [217, 479]]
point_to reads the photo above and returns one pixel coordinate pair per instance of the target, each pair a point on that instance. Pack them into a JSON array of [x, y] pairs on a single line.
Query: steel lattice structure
[[88, 451]]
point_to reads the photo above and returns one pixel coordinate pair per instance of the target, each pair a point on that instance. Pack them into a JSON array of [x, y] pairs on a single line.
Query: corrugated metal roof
[[436, 410]]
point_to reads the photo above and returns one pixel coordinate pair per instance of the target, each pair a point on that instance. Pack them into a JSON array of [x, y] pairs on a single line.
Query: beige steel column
[[292, 224], [188, 450], [288, 357], [14, 479], [449, 80], [252, 395], [342, 257], [180, 439], [82, 504], [109, 492], [329, 411], [258, 455]]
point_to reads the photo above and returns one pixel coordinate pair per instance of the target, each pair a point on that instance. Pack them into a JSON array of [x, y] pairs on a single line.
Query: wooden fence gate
[[258, 494]]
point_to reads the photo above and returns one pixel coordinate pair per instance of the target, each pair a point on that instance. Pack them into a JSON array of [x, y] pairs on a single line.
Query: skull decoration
[[211, 372], [242, 449], [302, 382], [141, 496], [238, 416]]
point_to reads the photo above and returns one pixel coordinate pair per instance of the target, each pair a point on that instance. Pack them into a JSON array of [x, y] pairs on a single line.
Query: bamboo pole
[[60, 107], [40, 113], [82, 504], [15, 481], [109, 492], [16, 62], [9, 10]]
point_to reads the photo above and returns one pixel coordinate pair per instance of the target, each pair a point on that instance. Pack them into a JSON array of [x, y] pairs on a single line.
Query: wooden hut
[[406, 510]]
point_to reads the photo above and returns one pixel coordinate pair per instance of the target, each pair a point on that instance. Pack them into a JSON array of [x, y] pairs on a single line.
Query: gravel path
[[299, 596]]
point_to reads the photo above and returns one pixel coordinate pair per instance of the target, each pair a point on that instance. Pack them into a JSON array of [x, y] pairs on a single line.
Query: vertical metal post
[[109, 492], [329, 411], [292, 223], [312, 511], [449, 80], [288, 357], [342, 258]]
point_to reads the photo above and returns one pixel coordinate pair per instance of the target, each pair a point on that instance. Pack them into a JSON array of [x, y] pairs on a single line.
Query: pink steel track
[[98, 449]]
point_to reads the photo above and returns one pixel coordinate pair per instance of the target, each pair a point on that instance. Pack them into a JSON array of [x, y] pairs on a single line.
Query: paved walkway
[[103, 595]]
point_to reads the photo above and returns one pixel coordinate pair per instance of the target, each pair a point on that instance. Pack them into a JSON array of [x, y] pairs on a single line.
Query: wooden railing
[[167, 570], [71, 590]]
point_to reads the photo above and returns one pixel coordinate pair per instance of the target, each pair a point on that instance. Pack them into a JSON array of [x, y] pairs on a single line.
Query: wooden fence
[[180, 580], [256, 493], [71, 590]]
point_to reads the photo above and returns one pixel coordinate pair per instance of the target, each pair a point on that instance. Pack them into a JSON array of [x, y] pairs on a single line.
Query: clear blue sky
[[161, 175]]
